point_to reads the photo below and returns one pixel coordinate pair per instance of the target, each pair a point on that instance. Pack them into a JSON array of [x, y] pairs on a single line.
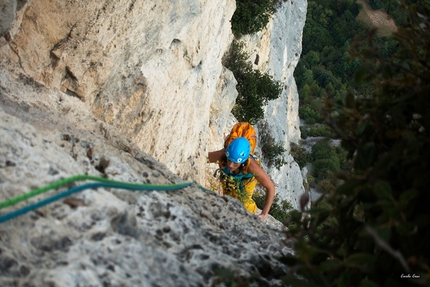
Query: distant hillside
[[378, 19]]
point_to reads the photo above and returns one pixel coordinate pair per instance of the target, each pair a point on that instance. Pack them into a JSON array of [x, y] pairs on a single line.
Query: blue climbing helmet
[[238, 150]]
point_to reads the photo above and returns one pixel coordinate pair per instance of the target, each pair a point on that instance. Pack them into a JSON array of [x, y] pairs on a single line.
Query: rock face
[[276, 51], [145, 67], [133, 91], [8, 10], [108, 236], [153, 71]]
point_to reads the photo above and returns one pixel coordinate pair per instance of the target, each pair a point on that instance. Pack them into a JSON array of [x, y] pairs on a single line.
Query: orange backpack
[[237, 184], [242, 129]]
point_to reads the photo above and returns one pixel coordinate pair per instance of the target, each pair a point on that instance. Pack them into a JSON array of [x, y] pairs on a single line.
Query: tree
[[305, 93], [323, 150], [308, 76], [252, 16], [254, 88], [309, 115], [322, 168], [312, 58], [379, 217]]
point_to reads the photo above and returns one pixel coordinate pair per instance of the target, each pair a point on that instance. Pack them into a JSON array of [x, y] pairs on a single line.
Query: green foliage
[[316, 130], [325, 70], [327, 185], [272, 152], [254, 88], [376, 4], [252, 16], [393, 8], [313, 58], [375, 226], [279, 209], [311, 181], [323, 149], [300, 155], [322, 168], [309, 115], [325, 160]]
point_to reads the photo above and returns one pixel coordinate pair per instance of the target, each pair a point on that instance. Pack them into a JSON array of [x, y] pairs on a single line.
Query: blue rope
[[66, 193]]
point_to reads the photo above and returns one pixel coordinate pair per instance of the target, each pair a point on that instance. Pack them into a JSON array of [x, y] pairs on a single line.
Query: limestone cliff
[[276, 50], [102, 88], [148, 68], [153, 71], [110, 236]]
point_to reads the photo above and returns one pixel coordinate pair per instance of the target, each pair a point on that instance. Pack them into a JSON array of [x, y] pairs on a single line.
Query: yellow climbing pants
[[245, 197]]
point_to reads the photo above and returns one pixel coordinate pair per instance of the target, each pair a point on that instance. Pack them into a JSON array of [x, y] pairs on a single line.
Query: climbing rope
[[102, 182]]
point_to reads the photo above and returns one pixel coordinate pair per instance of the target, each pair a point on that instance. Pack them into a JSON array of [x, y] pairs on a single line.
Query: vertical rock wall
[[148, 68], [283, 114], [277, 51], [152, 70], [105, 236]]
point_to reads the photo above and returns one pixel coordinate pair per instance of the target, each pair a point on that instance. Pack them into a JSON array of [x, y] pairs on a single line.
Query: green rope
[[75, 178], [66, 193]]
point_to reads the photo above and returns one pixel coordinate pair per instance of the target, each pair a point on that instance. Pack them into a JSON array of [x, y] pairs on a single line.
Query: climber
[[240, 173]]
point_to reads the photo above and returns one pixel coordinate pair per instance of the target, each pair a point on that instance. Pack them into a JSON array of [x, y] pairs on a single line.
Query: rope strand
[[102, 182]]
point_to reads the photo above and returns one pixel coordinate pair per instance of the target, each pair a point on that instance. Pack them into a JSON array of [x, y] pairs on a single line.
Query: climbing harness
[[101, 182], [234, 184], [239, 185]]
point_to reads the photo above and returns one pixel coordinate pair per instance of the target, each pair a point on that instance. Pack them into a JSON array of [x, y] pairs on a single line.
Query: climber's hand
[[262, 216]]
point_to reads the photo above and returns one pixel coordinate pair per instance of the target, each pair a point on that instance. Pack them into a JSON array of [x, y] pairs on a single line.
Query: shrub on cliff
[[254, 88], [279, 209], [300, 155], [273, 152], [252, 16], [379, 231]]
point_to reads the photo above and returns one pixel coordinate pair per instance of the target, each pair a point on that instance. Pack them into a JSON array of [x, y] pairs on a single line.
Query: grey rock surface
[[132, 91], [7, 15], [106, 236]]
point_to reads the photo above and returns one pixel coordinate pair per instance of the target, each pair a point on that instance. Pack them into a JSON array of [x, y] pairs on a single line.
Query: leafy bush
[[300, 155], [309, 115], [322, 168], [316, 130], [254, 88], [311, 181], [325, 159], [272, 152], [279, 209], [252, 16], [376, 4], [304, 132], [375, 226], [327, 185], [323, 150], [320, 130]]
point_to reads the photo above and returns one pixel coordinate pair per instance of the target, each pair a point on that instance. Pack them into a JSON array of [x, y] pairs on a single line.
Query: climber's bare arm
[[214, 156], [264, 179]]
